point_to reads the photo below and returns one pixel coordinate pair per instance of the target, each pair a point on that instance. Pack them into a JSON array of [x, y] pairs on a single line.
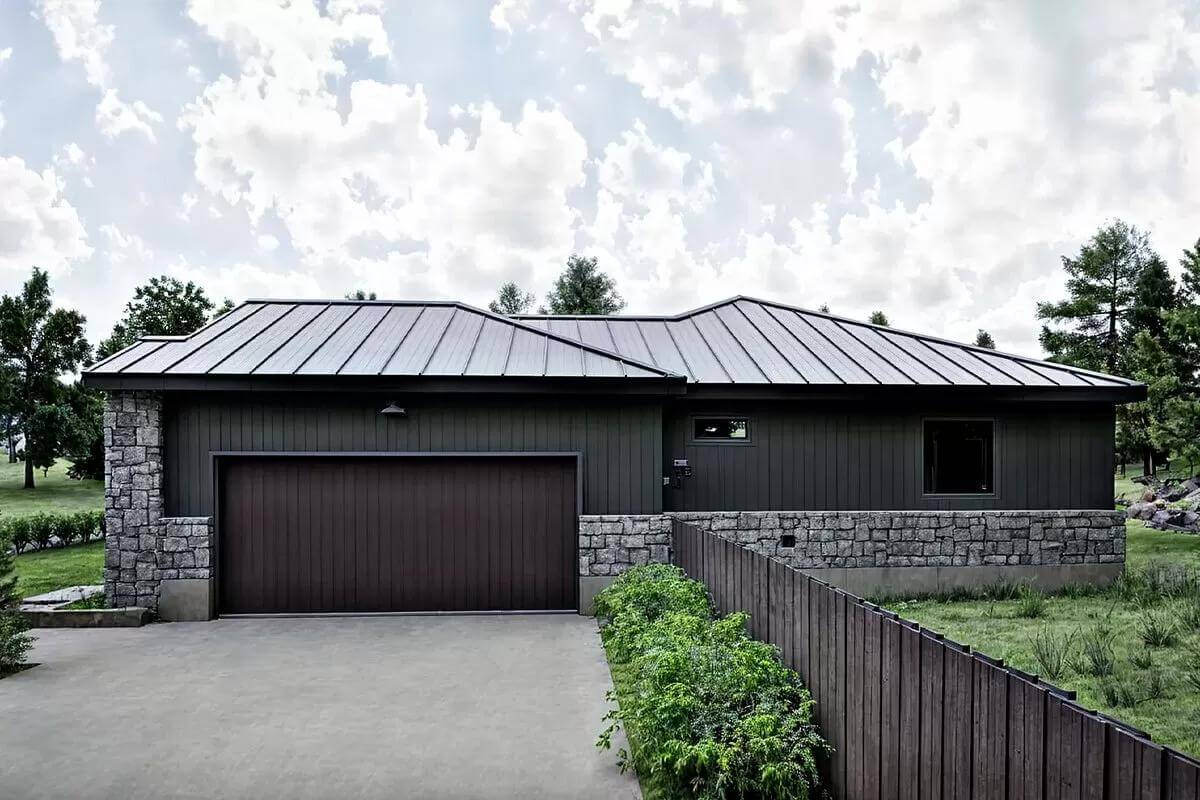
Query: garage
[[362, 534]]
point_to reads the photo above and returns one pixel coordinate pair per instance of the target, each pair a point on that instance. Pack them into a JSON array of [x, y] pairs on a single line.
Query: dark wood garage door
[[317, 534]]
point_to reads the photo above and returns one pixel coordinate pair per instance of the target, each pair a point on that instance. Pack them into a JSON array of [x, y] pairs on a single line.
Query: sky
[[933, 159]]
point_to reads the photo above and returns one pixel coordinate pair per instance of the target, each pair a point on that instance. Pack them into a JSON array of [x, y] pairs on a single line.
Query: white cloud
[[5, 54], [121, 245], [38, 227], [374, 187], [267, 243], [80, 36]]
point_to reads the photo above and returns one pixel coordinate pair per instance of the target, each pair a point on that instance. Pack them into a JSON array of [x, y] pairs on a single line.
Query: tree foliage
[[39, 343], [984, 339], [15, 641], [879, 318], [511, 300], [583, 289], [164, 306], [359, 294], [1090, 328]]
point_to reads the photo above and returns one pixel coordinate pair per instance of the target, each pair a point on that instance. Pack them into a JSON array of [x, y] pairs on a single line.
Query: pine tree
[[1090, 327], [879, 318]]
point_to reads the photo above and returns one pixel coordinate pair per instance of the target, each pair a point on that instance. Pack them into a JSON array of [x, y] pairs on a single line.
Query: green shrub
[[641, 596], [42, 531], [1052, 651], [1157, 629], [1189, 613], [1031, 603], [1097, 656], [1118, 692], [1143, 660], [1156, 685], [15, 642], [714, 713]]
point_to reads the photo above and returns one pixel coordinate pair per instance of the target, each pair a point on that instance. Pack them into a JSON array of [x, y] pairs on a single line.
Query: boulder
[[1160, 518], [1144, 511]]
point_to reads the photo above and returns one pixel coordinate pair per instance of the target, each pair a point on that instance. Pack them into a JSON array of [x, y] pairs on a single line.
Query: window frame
[[695, 440], [995, 471]]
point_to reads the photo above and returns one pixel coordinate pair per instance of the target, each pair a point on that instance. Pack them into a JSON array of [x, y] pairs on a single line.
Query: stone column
[[133, 499]]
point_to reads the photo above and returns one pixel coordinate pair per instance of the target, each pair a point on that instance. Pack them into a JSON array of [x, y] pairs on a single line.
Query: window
[[958, 456], [721, 429]]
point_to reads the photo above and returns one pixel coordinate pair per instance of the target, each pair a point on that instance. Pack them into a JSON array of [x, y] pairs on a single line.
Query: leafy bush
[[1156, 629], [1031, 603], [714, 713], [42, 531], [640, 597], [1052, 652], [15, 642]]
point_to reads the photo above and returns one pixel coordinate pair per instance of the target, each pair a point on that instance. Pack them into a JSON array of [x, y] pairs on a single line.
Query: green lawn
[[652, 787], [993, 627], [46, 570], [53, 493]]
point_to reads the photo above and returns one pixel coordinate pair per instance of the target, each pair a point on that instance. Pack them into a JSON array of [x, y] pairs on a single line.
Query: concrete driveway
[[423, 707]]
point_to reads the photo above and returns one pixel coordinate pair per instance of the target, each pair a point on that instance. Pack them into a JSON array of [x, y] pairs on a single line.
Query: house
[[361, 456]]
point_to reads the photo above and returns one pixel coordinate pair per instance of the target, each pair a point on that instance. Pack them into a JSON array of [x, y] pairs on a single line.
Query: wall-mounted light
[[394, 411]]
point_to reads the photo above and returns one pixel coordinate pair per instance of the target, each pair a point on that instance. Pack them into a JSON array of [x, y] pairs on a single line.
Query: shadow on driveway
[[428, 707]]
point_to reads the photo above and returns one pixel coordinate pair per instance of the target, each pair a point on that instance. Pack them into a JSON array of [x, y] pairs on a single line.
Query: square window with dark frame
[[721, 429], [958, 456]]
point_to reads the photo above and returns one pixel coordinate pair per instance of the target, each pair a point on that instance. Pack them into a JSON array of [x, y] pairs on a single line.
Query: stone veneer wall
[[609, 544], [142, 548], [853, 539]]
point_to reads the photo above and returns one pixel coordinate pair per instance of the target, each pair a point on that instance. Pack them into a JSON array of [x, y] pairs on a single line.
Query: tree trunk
[[28, 466], [1147, 462], [12, 440]]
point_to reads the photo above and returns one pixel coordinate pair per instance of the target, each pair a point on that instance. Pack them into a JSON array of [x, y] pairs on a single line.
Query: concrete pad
[[70, 594], [430, 707]]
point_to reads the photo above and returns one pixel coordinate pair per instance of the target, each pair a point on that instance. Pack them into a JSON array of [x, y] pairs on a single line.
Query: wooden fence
[[911, 714]]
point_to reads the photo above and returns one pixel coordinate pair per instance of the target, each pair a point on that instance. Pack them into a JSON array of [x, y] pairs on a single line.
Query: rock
[[1160, 518], [1142, 510], [1148, 496]]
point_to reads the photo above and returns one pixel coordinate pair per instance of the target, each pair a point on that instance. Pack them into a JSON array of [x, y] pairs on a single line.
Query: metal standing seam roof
[[737, 341], [744, 340], [325, 338]]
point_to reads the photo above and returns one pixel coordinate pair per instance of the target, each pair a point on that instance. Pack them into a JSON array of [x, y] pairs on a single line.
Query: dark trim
[[876, 392], [450, 384], [215, 457]]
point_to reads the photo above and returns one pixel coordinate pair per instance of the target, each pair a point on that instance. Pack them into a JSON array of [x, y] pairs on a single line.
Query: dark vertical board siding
[[807, 456], [912, 715], [621, 443]]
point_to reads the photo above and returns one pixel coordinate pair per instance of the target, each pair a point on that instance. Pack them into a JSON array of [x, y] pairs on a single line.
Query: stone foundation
[[609, 544], [877, 539]]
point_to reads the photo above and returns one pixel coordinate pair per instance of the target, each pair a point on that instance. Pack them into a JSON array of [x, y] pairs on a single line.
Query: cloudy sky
[[930, 159]]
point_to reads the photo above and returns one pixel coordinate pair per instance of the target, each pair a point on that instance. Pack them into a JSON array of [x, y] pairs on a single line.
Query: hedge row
[[710, 712], [42, 531]]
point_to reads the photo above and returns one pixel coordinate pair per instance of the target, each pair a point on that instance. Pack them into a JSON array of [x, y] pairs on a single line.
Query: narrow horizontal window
[[736, 429], [958, 456]]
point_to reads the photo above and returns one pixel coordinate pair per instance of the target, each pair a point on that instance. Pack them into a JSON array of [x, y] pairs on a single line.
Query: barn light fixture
[[393, 410]]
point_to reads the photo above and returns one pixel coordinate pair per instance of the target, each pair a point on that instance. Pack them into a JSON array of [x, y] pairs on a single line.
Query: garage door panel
[[314, 534]]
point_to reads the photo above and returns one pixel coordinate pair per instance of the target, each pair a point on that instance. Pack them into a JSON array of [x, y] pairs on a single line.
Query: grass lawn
[[994, 627], [47, 570], [54, 493]]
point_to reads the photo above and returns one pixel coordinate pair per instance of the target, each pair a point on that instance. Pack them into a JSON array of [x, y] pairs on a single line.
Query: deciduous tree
[[511, 300], [984, 339], [39, 343], [164, 306], [583, 289]]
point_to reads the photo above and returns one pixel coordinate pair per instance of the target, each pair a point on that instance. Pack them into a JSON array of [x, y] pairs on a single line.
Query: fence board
[[911, 715]]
